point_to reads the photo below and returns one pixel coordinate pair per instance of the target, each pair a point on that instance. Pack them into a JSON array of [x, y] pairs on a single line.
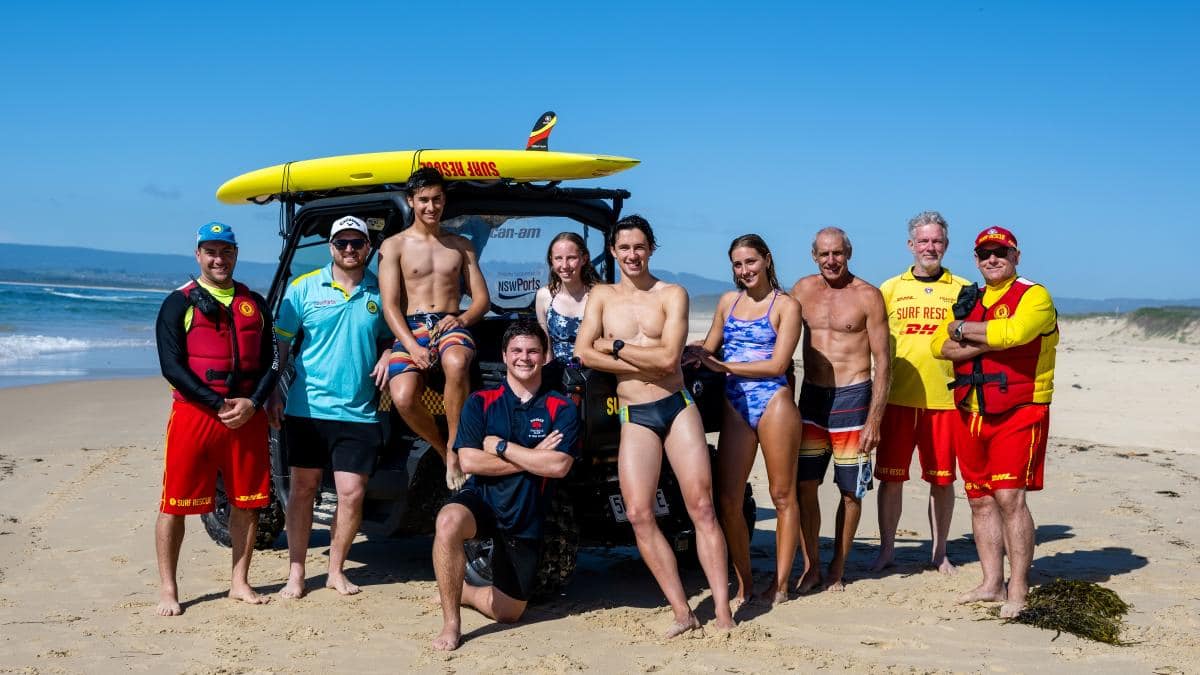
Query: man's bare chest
[[421, 260], [633, 317], [838, 311]]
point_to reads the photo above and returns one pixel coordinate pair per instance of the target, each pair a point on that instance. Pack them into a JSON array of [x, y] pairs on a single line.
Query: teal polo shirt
[[340, 336]]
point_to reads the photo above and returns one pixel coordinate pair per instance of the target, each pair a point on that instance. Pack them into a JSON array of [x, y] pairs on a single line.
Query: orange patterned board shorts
[[424, 329]]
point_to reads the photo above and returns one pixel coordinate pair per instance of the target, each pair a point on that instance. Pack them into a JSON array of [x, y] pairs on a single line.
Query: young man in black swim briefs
[[515, 440], [845, 331], [636, 329], [420, 273]]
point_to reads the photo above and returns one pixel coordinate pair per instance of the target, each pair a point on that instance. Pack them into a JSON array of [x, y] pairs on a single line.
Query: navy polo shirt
[[519, 500]]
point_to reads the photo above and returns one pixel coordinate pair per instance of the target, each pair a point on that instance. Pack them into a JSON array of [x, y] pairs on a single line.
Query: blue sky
[[1076, 124]]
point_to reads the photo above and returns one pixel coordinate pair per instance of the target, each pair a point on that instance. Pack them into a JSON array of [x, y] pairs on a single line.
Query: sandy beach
[[80, 465]]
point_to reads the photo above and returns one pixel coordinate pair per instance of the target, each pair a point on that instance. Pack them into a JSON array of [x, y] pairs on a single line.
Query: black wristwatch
[[501, 447], [618, 345]]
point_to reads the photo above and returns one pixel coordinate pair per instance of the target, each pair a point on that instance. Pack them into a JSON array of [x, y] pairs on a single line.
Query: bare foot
[[679, 628], [808, 582], [945, 566], [882, 561], [723, 626], [341, 584], [983, 593], [1010, 610], [294, 589], [773, 596], [168, 603], [455, 478], [248, 596], [739, 602], [833, 577], [447, 640]]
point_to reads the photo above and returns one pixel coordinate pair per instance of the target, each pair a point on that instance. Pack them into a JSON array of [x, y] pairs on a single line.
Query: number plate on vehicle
[[618, 506]]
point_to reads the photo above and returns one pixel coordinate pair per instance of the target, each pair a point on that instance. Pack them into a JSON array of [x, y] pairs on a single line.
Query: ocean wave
[[44, 372], [24, 347], [139, 297]]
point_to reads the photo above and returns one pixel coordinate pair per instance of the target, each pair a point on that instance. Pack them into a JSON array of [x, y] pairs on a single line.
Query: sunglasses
[[1000, 252], [355, 244]]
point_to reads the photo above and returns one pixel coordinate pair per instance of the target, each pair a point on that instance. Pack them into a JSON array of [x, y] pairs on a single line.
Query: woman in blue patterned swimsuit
[[559, 304], [758, 327]]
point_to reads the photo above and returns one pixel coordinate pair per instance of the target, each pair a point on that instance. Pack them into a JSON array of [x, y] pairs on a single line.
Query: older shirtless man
[[845, 330], [636, 329], [420, 273]]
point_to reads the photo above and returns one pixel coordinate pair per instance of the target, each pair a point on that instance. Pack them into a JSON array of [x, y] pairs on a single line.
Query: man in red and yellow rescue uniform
[[1002, 341], [217, 349]]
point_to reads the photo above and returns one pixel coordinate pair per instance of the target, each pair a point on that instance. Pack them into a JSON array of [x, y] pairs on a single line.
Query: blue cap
[[215, 231]]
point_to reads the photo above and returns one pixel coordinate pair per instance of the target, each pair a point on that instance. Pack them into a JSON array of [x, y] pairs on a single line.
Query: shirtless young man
[[636, 329], [420, 270], [845, 330]]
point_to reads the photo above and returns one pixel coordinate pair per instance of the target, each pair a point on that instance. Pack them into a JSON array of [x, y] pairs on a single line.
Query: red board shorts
[[1003, 452], [932, 432], [198, 446]]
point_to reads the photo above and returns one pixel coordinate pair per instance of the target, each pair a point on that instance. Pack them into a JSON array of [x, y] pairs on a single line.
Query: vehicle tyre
[[427, 494], [270, 520], [749, 510], [560, 550]]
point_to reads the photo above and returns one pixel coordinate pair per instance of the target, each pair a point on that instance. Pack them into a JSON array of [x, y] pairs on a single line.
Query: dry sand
[[79, 481]]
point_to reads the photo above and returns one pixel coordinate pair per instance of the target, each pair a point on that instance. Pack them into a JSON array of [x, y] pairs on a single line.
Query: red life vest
[[226, 360], [1001, 380]]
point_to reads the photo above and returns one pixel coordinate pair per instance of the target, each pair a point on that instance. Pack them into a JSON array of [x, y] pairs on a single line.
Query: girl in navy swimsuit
[[758, 327], [559, 304]]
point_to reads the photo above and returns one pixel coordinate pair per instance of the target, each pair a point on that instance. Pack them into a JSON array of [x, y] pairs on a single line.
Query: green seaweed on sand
[[1081, 608]]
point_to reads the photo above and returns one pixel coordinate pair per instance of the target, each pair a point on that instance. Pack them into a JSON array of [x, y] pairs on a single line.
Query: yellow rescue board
[[378, 168]]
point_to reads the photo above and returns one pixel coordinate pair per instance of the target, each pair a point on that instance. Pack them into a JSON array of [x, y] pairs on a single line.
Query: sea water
[[52, 333]]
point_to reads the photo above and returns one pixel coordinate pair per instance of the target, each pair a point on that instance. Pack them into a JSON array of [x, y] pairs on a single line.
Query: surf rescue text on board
[[465, 169]]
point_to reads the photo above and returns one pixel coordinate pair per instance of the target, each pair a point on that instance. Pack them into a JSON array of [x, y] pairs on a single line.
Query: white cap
[[348, 223]]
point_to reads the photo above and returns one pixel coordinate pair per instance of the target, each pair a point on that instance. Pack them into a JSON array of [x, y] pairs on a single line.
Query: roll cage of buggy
[[406, 489]]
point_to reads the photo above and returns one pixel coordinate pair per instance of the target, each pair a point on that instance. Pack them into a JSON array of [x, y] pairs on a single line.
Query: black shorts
[[514, 559], [345, 446]]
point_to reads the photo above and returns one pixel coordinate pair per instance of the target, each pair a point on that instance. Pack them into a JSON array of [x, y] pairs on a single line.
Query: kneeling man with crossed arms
[[513, 440]]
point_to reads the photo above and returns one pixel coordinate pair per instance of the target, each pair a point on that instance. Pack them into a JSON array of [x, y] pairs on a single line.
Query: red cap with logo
[[996, 236]]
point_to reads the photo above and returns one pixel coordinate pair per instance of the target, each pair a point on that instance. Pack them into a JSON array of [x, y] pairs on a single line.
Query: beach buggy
[[510, 204]]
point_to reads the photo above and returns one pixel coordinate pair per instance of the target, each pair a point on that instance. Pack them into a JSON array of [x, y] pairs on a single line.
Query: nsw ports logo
[[517, 287]]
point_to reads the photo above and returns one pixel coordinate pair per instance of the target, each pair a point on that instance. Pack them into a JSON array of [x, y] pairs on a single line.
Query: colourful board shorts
[[1003, 452], [198, 446], [833, 420], [423, 329], [932, 432]]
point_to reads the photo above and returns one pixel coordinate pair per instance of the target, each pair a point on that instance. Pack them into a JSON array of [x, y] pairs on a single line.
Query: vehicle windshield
[[511, 251]]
